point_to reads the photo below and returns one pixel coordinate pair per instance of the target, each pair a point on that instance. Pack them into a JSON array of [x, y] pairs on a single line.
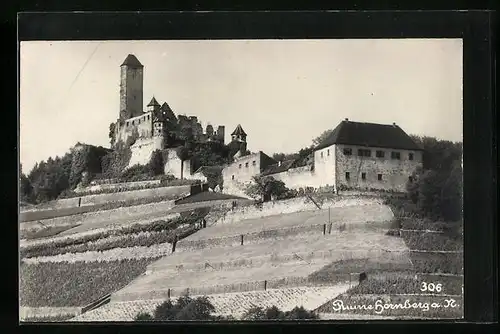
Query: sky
[[284, 93]]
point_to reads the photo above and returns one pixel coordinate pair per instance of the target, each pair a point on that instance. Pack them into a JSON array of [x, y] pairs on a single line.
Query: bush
[[267, 187], [143, 317], [185, 308], [274, 313]]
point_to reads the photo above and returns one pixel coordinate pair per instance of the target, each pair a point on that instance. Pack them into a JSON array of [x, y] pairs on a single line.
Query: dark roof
[[202, 169], [238, 131], [371, 135], [153, 103], [275, 168], [132, 61]]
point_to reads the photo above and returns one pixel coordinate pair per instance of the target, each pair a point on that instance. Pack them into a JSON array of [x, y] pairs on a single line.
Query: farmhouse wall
[[324, 166], [395, 173]]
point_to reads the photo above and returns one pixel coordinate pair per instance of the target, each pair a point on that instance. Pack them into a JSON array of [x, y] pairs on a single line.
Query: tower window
[[246, 165], [322, 154], [410, 156], [379, 176], [328, 152], [239, 166], [127, 123], [347, 151], [380, 154], [132, 122], [396, 155], [253, 163], [232, 177], [363, 176], [148, 117], [347, 176]]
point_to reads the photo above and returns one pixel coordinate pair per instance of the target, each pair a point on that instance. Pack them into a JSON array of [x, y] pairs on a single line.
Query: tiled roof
[[275, 168], [153, 103], [132, 61], [371, 135], [238, 131]]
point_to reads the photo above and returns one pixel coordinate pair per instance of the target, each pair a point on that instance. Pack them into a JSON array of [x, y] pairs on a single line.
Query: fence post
[[242, 239], [324, 229], [168, 293], [79, 201], [265, 285]]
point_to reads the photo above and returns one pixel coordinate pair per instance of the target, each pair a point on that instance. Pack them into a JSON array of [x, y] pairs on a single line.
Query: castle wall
[[243, 169], [143, 149], [131, 91], [143, 124], [394, 173], [300, 177]]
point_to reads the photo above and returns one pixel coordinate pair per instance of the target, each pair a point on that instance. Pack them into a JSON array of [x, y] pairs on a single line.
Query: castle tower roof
[[238, 131], [153, 103], [132, 61]]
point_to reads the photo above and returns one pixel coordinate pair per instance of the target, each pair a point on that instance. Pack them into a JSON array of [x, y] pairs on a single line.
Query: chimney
[[347, 119], [394, 124]]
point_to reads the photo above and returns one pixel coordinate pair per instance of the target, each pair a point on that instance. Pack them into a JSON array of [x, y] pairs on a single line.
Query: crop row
[[30, 216], [155, 226], [75, 284], [154, 243], [53, 246], [431, 241]]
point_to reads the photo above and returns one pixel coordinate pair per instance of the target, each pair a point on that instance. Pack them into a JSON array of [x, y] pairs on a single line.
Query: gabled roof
[[167, 111], [371, 135], [153, 103], [132, 61], [238, 131]]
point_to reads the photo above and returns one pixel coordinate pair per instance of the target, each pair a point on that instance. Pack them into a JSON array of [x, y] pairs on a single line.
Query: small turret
[[239, 134], [153, 105]]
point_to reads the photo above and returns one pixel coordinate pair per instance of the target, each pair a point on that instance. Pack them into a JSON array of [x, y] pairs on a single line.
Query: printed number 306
[[431, 287]]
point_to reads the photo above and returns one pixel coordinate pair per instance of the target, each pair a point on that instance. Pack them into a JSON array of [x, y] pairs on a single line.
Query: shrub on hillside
[[184, 308], [274, 313], [267, 187]]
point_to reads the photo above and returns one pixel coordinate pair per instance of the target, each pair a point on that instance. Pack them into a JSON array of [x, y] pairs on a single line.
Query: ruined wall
[[131, 91], [394, 173], [175, 167], [243, 169], [143, 149]]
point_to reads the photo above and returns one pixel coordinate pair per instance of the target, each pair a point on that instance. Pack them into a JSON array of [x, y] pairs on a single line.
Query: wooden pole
[[242, 239]]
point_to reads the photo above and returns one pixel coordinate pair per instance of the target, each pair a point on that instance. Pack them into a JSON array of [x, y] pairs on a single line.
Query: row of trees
[[187, 308]]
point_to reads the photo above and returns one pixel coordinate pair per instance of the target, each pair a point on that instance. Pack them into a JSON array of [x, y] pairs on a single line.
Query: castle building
[[157, 127], [356, 155]]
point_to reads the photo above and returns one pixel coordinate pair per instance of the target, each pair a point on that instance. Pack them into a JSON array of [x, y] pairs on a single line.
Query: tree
[[185, 308], [111, 135], [274, 313], [322, 137], [266, 187], [156, 163]]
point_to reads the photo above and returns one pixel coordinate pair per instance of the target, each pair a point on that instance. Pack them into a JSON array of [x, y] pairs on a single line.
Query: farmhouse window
[[410, 156], [232, 177], [363, 176], [127, 123], [379, 177], [148, 117], [347, 151], [347, 176], [322, 154], [246, 164], [328, 152], [380, 154], [364, 153], [396, 155], [253, 162], [239, 166], [132, 122]]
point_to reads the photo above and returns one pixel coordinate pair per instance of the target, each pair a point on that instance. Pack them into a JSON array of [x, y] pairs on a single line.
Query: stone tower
[[239, 139], [131, 87]]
